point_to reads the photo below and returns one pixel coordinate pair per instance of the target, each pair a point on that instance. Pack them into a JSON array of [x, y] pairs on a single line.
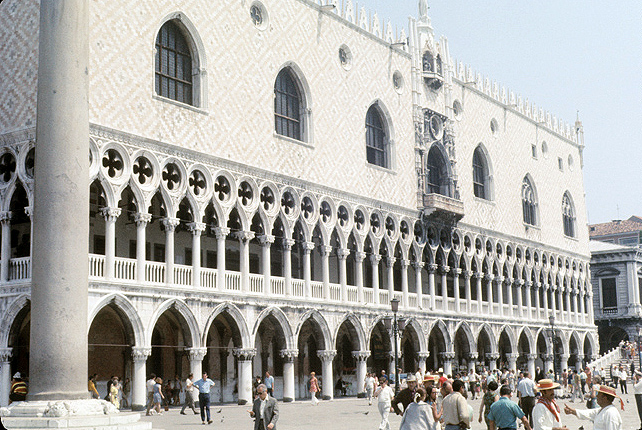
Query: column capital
[[197, 353], [520, 282], [531, 357], [456, 271], [171, 223], [110, 214], [5, 216], [375, 258], [443, 269], [361, 355], [359, 256], [432, 268], [549, 357], [508, 280], [473, 355], [244, 354], [448, 355], [404, 263], [499, 279], [141, 218], [325, 250], [196, 227], [5, 354], [266, 239], [29, 211], [492, 355], [565, 357], [528, 284], [489, 277], [467, 274], [307, 247], [478, 275], [289, 354], [288, 244], [512, 356], [326, 354], [141, 353], [221, 232], [418, 265], [343, 253], [243, 236], [390, 261], [423, 355]]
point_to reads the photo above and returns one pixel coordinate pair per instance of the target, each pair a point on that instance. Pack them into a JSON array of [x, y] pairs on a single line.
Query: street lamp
[[394, 305], [551, 319]]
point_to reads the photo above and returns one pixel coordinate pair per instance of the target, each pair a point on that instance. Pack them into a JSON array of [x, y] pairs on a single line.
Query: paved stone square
[[341, 414]]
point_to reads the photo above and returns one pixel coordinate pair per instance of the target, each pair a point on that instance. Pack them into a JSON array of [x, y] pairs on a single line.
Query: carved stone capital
[[423, 355], [29, 211], [492, 356], [288, 244], [359, 256], [266, 239], [467, 274], [361, 355], [432, 268], [508, 281], [197, 354], [289, 354], [564, 357], [443, 270], [499, 279], [456, 272], [171, 223], [375, 259], [221, 232], [489, 277], [5, 354], [343, 253], [390, 261], [5, 216], [548, 357], [244, 236], [326, 354], [110, 214], [512, 356], [404, 263], [326, 250], [307, 247], [531, 357], [244, 354], [196, 228], [418, 265], [141, 353], [141, 218], [478, 275], [448, 356], [473, 355]]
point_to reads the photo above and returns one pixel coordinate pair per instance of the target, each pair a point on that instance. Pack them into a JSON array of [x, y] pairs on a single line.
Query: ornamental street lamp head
[[394, 304]]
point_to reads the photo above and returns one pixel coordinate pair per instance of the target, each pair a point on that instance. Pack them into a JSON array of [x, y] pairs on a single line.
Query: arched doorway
[[269, 342], [345, 364], [380, 347], [505, 348], [484, 348], [310, 341], [610, 337], [220, 364], [436, 346], [462, 351], [19, 336]]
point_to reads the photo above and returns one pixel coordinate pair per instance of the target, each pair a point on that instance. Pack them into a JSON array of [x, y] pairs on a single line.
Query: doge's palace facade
[[267, 176]]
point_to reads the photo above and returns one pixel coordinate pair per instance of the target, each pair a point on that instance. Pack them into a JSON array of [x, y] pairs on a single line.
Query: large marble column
[[5, 375], [531, 364], [141, 219], [472, 360], [512, 360], [220, 233], [266, 241], [423, 357], [110, 215], [5, 248], [196, 356], [492, 359], [327, 385], [196, 228], [244, 384], [448, 362], [374, 260], [358, 259], [548, 362], [288, 356], [170, 227], [60, 269], [139, 377], [361, 357]]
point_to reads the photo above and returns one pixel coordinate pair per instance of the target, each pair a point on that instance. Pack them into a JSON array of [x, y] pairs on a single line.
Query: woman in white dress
[[384, 394]]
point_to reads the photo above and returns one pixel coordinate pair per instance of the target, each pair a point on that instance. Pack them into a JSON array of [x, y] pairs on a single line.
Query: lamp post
[[551, 319], [394, 305]]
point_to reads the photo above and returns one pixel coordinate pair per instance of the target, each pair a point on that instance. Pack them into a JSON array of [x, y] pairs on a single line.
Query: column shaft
[[141, 223], [374, 260], [5, 250], [221, 234]]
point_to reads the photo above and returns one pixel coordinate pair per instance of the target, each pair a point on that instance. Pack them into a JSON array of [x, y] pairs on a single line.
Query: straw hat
[[428, 378], [411, 378], [547, 384], [607, 390]]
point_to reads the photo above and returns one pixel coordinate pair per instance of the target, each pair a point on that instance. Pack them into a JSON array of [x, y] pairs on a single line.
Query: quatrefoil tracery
[[267, 198], [287, 203], [171, 176], [197, 182], [222, 188], [359, 220], [307, 208], [143, 170], [7, 167], [246, 195], [113, 162]]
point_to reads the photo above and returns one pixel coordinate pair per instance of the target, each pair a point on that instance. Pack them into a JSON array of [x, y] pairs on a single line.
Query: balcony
[[432, 79], [444, 207]]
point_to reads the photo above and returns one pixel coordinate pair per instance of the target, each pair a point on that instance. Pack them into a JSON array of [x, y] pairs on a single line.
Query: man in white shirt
[[150, 392], [637, 390], [189, 395], [526, 394], [606, 417], [265, 410], [369, 387], [547, 414]]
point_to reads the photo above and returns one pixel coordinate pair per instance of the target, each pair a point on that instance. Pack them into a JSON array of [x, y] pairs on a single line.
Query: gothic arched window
[[173, 64], [437, 176], [377, 148], [427, 62], [529, 203], [287, 106], [568, 215], [481, 182]]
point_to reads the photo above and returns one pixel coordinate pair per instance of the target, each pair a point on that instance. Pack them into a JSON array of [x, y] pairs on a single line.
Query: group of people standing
[[118, 390]]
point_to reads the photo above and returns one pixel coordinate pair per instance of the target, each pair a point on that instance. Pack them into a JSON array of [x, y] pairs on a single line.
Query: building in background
[[267, 176]]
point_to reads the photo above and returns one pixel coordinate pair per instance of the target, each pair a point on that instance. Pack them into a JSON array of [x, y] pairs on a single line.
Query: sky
[[565, 56]]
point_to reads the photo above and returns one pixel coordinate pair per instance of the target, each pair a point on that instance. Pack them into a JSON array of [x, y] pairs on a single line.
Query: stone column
[[404, 283], [244, 238], [288, 356], [170, 227], [358, 258], [266, 241], [472, 359], [512, 360], [374, 260], [538, 305], [141, 219], [564, 362], [509, 285], [467, 287], [343, 255], [448, 362], [139, 377], [456, 273], [325, 270], [110, 215], [527, 287], [444, 288], [327, 385], [492, 358], [60, 269], [307, 275], [287, 265], [432, 268], [531, 364], [423, 357], [418, 287], [548, 362], [196, 356], [361, 357], [489, 288], [577, 312], [390, 261], [244, 357], [590, 306], [478, 285], [545, 295], [578, 362], [567, 297], [5, 249], [582, 310], [499, 281], [221, 233], [5, 375], [196, 228]]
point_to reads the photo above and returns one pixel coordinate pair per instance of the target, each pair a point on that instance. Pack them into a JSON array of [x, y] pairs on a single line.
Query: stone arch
[[238, 318], [316, 317], [530, 338], [126, 311], [9, 317], [283, 321], [188, 318], [358, 330], [511, 336], [421, 337]]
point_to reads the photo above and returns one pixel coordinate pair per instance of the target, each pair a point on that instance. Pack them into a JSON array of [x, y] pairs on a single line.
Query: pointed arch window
[[568, 215], [287, 106], [437, 175], [377, 148], [481, 181], [173, 64], [427, 62], [529, 203]]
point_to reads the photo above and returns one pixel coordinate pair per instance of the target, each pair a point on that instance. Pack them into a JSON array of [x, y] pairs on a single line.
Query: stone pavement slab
[[340, 414]]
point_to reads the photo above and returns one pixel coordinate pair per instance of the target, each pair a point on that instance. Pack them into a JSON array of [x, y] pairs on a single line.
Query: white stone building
[[318, 165]]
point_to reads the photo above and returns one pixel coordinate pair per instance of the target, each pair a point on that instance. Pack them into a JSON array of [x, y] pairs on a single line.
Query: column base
[[288, 399], [76, 414], [242, 402]]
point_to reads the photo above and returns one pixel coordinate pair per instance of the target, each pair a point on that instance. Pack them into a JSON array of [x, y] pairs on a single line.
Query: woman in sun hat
[[607, 417], [547, 415]]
